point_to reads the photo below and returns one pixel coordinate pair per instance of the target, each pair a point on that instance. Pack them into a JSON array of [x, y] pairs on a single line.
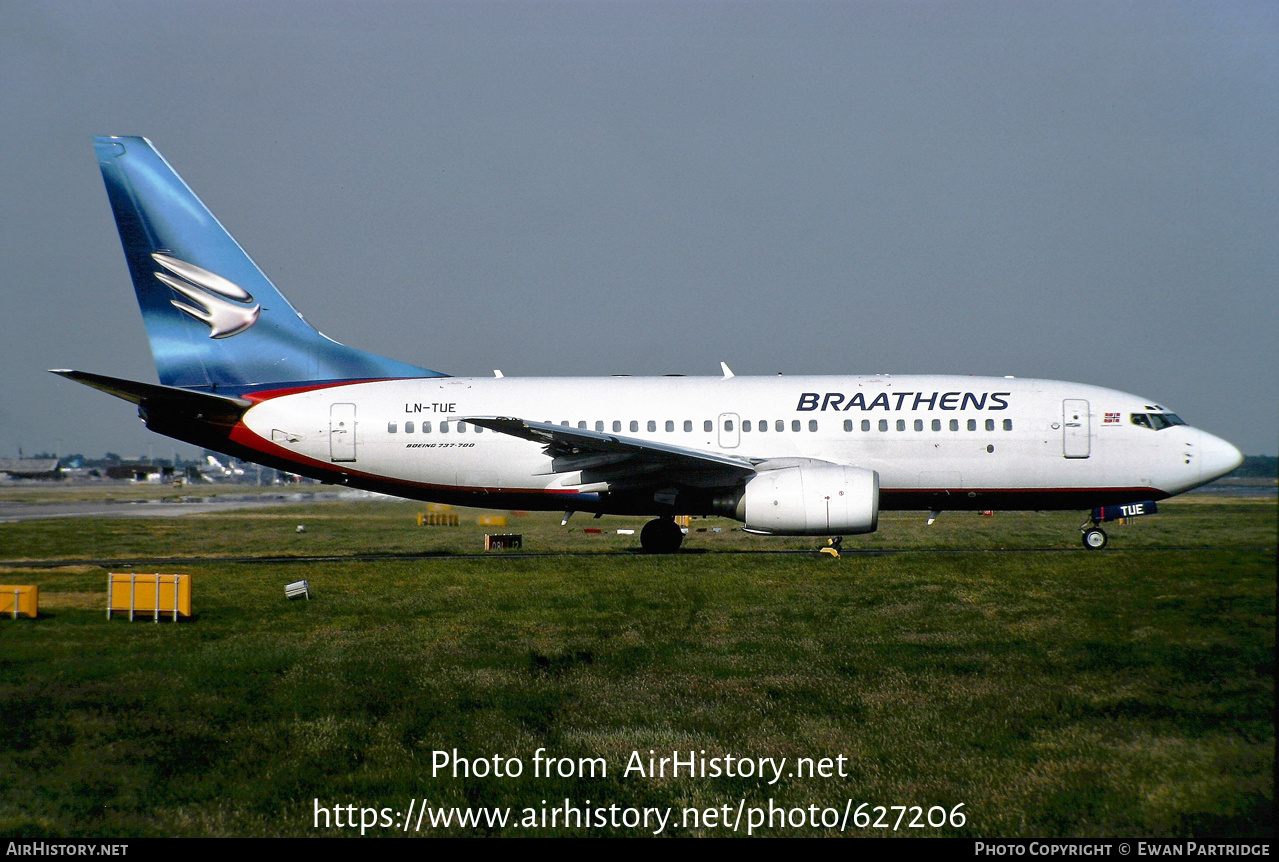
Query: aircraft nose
[[1216, 457]]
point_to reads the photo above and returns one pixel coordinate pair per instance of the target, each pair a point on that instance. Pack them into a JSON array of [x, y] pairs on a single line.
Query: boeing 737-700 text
[[242, 373]]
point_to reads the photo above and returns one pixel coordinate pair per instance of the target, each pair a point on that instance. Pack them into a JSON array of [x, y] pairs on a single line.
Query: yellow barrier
[[20, 599], [160, 594], [437, 519], [492, 520]]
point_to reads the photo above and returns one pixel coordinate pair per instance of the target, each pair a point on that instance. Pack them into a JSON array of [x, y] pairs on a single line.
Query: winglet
[[728, 372]]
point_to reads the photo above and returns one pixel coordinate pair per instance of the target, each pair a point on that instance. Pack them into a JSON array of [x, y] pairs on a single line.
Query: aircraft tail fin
[[214, 320]]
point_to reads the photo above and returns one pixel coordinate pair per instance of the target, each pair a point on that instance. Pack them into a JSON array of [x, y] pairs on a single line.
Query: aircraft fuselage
[[937, 442]]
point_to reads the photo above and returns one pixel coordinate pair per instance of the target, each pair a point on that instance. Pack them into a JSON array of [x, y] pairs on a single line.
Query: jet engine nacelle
[[812, 500]]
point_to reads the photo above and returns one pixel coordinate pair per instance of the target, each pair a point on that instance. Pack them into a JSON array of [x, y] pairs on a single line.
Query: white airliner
[[242, 373]]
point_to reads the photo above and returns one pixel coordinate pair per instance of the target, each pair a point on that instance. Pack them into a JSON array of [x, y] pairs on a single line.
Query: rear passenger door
[[342, 432]]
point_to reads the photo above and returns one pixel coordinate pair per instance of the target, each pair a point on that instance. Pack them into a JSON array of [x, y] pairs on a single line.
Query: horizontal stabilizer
[[138, 393]]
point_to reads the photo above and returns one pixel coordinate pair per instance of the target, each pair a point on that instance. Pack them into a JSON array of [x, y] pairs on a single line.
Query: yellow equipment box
[[23, 599], [169, 595]]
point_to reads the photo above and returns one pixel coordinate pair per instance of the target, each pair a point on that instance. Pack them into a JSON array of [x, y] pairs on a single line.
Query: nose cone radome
[[1216, 457]]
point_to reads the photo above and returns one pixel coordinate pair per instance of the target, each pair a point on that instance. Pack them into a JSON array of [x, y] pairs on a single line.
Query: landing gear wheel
[[661, 536], [1094, 538]]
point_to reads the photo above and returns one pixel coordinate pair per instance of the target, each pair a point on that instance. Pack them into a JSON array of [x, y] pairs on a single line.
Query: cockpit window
[[1156, 421]]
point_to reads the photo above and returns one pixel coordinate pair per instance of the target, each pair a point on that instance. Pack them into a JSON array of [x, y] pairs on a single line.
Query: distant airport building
[[30, 468], [149, 473]]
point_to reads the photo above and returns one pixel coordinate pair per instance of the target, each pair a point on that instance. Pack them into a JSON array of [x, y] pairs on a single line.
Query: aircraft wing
[[611, 457]]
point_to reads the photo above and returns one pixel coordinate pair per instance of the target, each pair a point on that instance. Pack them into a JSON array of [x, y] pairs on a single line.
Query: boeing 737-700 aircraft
[[241, 372]]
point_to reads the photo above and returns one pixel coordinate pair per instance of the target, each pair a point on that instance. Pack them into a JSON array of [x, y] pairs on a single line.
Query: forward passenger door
[[1076, 429]]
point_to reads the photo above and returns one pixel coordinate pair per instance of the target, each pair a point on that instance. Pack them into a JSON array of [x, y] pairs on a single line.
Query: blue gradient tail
[[215, 321]]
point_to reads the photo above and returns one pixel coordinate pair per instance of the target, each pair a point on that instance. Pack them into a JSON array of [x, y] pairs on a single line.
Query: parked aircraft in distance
[[213, 469], [241, 372]]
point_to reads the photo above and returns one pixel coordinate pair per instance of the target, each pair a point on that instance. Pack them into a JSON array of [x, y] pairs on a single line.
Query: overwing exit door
[[729, 431]]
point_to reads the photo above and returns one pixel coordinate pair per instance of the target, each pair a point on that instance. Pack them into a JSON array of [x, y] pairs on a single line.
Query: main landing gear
[[1094, 536], [661, 536]]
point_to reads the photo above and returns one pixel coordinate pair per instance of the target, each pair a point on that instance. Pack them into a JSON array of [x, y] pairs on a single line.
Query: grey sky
[[1078, 191]]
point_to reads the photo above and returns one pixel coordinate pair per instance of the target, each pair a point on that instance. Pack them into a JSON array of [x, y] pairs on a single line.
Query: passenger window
[[688, 425], [408, 427], [865, 424], [763, 424], [599, 426], [794, 425], [444, 427], [746, 424], [617, 424], [1008, 424], [728, 424], [426, 427], [901, 424], [972, 424], [919, 424], [582, 425], [954, 425], [779, 425], [937, 424], [652, 425], [670, 425], [392, 427], [461, 427], [634, 425], [564, 423], [848, 424], [812, 424], [708, 426], [883, 424], [990, 424]]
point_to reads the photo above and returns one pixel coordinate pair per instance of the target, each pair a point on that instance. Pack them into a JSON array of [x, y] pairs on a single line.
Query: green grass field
[[1048, 690]]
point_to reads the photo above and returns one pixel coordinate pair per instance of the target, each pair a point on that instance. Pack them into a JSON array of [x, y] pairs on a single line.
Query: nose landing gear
[[1093, 535]]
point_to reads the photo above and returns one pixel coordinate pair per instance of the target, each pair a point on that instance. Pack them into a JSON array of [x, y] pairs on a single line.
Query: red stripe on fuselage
[[268, 394]]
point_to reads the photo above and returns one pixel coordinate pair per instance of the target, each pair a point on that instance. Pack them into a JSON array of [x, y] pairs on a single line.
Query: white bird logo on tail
[[210, 294]]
